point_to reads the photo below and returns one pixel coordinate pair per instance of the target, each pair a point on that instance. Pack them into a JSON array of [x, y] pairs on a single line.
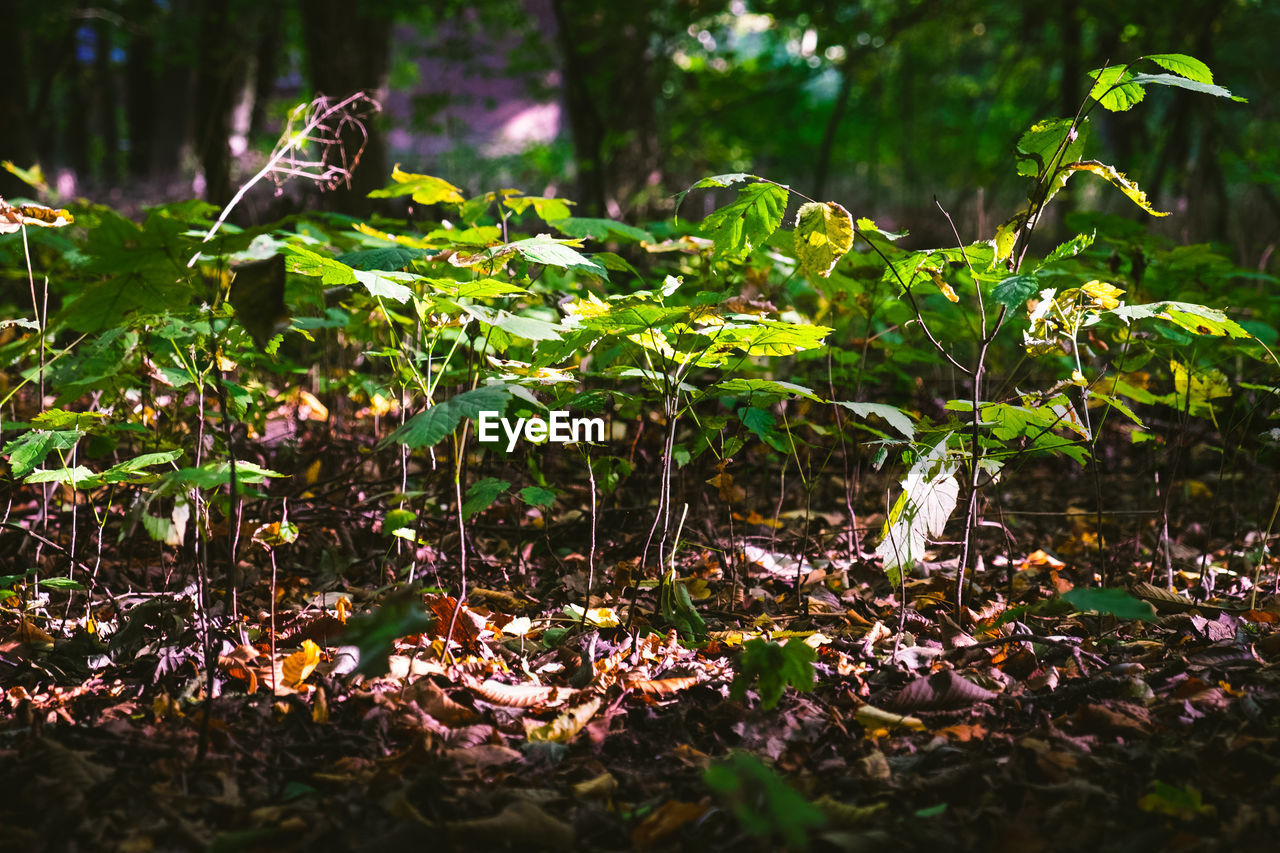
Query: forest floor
[[1015, 723]]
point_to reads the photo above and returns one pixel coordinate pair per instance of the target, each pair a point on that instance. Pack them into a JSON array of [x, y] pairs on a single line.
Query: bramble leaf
[[744, 224]]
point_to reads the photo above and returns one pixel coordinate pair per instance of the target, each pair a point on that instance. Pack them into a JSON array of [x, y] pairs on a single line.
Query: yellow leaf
[[1118, 179], [320, 710], [314, 410], [823, 235], [1106, 296], [872, 718], [298, 666], [946, 289], [564, 727]]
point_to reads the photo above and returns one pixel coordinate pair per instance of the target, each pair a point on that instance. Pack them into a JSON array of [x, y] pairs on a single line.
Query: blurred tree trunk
[[18, 144], [218, 72], [140, 88], [348, 50], [174, 86], [270, 48], [106, 102], [609, 96]]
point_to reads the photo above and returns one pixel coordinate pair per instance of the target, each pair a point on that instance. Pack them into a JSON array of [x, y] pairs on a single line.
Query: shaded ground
[[1017, 724]]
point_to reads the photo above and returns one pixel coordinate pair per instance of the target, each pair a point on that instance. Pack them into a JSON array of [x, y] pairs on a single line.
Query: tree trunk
[[18, 143], [140, 88], [609, 97], [104, 84], [217, 73], [348, 50]]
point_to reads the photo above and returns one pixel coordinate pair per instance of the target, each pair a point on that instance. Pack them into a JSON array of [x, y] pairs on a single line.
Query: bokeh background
[[881, 105]]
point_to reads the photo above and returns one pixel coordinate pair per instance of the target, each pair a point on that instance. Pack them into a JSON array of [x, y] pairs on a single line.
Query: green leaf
[[769, 337], [1184, 803], [761, 423], [62, 419], [1070, 249], [765, 806], [1186, 66], [429, 426], [726, 180], [28, 451], [1116, 602], [482, 494], [763, 391], [78, 477], [772, 667], [743, 225], [1114, 90], [600, 229], [212, 475], [1015, 290], [424, 188], [306, 262], [892, 415], [823, 235], [375, 634], [480, 288], [1048, 142], [382, 258], [676, 607], [131, 470], [537, 496], [61, 583]]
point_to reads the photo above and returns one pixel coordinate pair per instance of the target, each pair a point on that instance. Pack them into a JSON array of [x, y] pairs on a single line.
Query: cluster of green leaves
[[765, 805], [770, 667], [509, 303]]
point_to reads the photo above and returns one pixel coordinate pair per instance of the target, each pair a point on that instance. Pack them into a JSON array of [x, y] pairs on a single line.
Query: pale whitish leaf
[[385, 284], [725, 180], [1198, 319], [929, 494], [1183, 83], [529, 328], [545, 249]]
